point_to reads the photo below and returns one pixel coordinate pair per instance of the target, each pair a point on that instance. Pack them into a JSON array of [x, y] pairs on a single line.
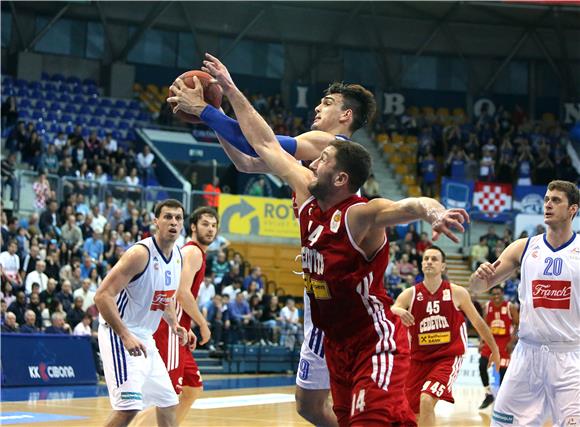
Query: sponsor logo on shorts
[[553, 294], [434, 338], [502, 418], [572, 421], [303, 369], [46, 372], [131, 395]]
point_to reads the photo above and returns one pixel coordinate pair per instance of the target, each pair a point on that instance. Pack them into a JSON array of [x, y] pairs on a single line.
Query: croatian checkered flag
[[492, 200]]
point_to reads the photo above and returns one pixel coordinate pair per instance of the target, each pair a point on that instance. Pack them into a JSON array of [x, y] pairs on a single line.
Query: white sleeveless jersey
[[142, 303], [549, 292]]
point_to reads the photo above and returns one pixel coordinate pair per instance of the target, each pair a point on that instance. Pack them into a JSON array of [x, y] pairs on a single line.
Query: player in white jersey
[[344, 109], [132, 299], [543, 378]]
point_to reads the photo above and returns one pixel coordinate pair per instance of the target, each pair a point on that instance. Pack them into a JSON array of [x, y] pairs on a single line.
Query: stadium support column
[[120, 79], [29, 66]]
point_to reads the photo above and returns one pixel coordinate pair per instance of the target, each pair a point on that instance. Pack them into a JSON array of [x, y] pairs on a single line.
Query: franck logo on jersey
[[46, 372], [161, 300], [554, 294]]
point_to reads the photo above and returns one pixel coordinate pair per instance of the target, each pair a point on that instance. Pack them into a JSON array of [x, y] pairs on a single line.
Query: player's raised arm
[[380, 213], [257, 131], [132, 263], [488, 275]]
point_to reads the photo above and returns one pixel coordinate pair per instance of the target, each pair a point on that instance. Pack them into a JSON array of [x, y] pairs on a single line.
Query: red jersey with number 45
[[345, 288], [439, 330]]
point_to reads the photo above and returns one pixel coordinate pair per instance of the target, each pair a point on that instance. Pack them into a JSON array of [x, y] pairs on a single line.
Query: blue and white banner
[[456, 194], [42, 359], [530, 198]]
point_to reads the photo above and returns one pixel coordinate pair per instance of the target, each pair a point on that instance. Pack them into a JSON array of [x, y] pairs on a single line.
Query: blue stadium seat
[[51, 117], [85, 109], [105, 102], [81, 120], [49, 86], [91, 90], [21, 83], [35, 85], [40, 127], [135, 104], [89, 82], [69, 129], [119, 103], [23, 103], [36, 94], [8, 90], [56, 106], [99, 111], [74, 80], [131, 135], [6, 79], [65, 97], [66, 118], [57, 78], [37, 115], [116, 135], [85, 132], [50, 95], [144, 116], [24, 113], [78, 89], [44, 76], [109, 124], [79, 99], [129, 114], [100, 132], [124, 125], [95, 122], [70, 108], [40, 104], [22, 92]]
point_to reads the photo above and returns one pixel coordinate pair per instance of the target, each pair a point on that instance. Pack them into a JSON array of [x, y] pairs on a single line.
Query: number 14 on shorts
[[434, 387], [358, 402]]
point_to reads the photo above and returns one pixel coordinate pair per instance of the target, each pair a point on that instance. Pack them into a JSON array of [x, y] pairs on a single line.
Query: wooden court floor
[[96, 409]]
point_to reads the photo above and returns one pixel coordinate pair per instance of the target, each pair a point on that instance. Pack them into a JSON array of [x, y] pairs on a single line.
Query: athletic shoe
[[487, 401]]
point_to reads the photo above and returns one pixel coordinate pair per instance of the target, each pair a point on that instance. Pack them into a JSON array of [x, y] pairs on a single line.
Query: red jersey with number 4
[[439, 330], [182, 316], [345, 288]]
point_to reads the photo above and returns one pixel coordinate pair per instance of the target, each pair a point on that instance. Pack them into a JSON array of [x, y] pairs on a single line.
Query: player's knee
[[306, 406], [427, 402], [190, 393], [126, 416]]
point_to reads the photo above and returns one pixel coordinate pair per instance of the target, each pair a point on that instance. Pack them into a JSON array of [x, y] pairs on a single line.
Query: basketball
[[212, 92]]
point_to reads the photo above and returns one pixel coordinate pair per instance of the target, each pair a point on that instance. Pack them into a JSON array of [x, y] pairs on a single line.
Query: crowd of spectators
[[81, 156], [505, 147], [234, 301]]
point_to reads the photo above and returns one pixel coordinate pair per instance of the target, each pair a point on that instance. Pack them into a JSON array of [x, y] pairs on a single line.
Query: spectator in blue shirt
[[87, 267], [94, 247], [58, 327], [241, 316], [254, 275], [429, 172], [30, 326]]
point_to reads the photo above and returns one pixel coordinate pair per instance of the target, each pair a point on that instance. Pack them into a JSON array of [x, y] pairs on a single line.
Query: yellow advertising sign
[[260, 216], [434, 338]]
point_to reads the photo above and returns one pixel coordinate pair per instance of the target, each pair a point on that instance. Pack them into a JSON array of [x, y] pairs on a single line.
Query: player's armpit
[[132, 263]]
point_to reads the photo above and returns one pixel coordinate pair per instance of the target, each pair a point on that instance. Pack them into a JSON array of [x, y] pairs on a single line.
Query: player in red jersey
[[344, 256], [503, 318], [179, 361], [433, 311]]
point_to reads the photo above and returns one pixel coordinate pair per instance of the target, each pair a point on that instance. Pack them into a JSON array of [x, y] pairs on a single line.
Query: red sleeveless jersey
[[345, 288], [439, 330], [499, 320], [182, 316]]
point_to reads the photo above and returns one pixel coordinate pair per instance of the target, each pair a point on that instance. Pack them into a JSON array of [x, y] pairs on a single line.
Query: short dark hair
[[170, 203], [199, 212], [358, 99], [500, 287], [571, 190], [355, 160], [437, 248]]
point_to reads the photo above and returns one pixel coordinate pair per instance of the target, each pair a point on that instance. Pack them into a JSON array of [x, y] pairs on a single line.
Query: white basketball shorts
[[134, 383], [312, 370], [541, 383]]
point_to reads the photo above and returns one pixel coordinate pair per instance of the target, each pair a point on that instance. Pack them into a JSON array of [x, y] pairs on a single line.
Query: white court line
[[243, 400]]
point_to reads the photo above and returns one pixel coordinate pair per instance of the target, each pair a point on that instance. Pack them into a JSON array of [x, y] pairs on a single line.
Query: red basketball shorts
[[367, 380], [181, 365], [434, 377]]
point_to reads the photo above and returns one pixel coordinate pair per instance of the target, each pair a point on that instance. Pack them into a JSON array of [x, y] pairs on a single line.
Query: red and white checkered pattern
[[491, 197]]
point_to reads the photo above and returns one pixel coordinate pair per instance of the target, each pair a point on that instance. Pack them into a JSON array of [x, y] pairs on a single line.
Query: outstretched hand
[[218, 71], [450, 219], [188, 100]]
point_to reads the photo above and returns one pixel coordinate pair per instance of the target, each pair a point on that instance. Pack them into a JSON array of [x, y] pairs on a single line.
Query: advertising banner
[[259, 216], [40, 359]]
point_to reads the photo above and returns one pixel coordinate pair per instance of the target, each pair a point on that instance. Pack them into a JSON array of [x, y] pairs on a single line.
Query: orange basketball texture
[[212, 93]]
